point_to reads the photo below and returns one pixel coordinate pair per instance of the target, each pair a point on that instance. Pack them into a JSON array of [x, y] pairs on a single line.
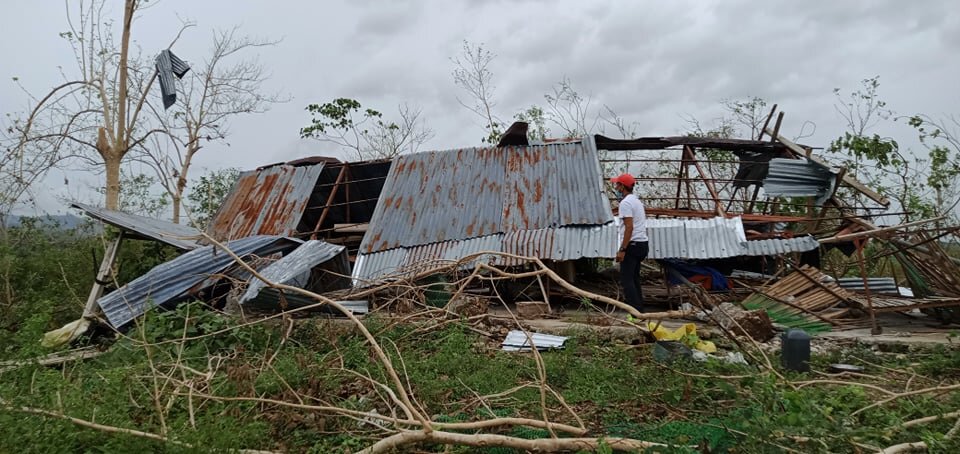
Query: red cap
[[625, 179]]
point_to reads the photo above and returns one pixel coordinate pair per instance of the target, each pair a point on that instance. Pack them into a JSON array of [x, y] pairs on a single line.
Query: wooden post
[[766, 123], [91, 309], [875, 330], [326, 208], [776, 128], [718, 206], [346, 167]]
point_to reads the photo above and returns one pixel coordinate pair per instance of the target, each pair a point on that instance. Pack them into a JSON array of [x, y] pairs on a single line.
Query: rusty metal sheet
[[269, 201], [565, 243], [455, 195]]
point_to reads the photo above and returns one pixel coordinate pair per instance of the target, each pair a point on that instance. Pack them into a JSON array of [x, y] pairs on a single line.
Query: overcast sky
[[653, 62]]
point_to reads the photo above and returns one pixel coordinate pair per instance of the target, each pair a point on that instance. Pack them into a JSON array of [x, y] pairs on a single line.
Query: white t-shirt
[[632, 207]]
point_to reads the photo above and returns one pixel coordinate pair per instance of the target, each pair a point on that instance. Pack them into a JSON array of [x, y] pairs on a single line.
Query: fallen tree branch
[[906, 394], [904, 447], [924, 420], [393, 442]]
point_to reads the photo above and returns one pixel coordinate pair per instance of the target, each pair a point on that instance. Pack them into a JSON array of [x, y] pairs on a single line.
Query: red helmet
[[625, 179]]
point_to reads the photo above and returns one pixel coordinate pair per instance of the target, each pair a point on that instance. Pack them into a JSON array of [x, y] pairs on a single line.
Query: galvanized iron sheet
[[265, 202], [454, 195], [296, 263], [173, 280], [775, 246], [798, 178], [179, 236], [518, 341], [714, 238]]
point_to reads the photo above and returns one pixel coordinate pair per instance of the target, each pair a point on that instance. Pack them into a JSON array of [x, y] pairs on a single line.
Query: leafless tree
[[472, 74], [224, 86], [570, 111], [96, 113]]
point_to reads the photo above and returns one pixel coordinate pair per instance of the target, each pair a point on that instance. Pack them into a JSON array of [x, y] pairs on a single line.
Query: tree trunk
[[176, 207], [112, 164]]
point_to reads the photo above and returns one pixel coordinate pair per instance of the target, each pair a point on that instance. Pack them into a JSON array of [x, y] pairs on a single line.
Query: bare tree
[[472, 74], [570, 111], [95, 115], [225, 86], [346, 123]]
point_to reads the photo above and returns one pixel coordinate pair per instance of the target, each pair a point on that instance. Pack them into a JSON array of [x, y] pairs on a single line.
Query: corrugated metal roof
[[564, 243], [170, 281], [296, 263], [269, 201], [441, 196], [798, 178], [177, 235]]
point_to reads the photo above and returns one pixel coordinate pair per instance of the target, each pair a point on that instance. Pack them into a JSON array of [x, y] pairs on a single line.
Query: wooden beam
[[90, 309], [867, 233], [326, 208], [847, 179]]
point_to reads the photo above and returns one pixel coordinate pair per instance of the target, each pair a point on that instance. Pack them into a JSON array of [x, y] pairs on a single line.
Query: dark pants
[[630, 273]]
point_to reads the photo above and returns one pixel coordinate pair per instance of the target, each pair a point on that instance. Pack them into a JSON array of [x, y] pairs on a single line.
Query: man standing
[[634, 246]]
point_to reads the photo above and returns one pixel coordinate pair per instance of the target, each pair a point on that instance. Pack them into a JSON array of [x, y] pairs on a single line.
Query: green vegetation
[[208, 383]]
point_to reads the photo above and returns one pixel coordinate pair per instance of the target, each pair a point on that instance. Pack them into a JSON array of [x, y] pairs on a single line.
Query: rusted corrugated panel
[[270, 201], [440, 196], [177, 235], [565, 243]]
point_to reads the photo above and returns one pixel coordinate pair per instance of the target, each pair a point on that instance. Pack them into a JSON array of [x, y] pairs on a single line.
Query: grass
[[617, 389]]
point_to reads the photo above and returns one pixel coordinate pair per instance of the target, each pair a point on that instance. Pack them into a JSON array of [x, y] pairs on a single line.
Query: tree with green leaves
[[877, 160], [364, 131], [941, 137], [208, 193]]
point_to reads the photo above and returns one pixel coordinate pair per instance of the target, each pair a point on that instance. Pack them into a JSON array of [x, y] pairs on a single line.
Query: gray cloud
[[651, 61]]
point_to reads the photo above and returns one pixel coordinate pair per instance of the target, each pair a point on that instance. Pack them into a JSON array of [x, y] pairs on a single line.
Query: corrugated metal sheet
[[517, 341], [270, 201], [798, 178], [696, 238], [884, 285], [177, 235], [171, 281], [565, 243], [441, 196], [781, 246], [296, 263], [714, 238]]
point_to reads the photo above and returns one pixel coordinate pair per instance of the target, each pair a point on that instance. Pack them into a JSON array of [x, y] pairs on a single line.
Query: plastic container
[[795, 353]]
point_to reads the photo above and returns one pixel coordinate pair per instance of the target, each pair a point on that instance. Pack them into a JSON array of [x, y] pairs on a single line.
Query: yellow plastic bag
[[70, 332], [687, 334]]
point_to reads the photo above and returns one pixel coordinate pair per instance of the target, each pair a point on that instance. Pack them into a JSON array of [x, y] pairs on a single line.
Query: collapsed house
[[322, 224]]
